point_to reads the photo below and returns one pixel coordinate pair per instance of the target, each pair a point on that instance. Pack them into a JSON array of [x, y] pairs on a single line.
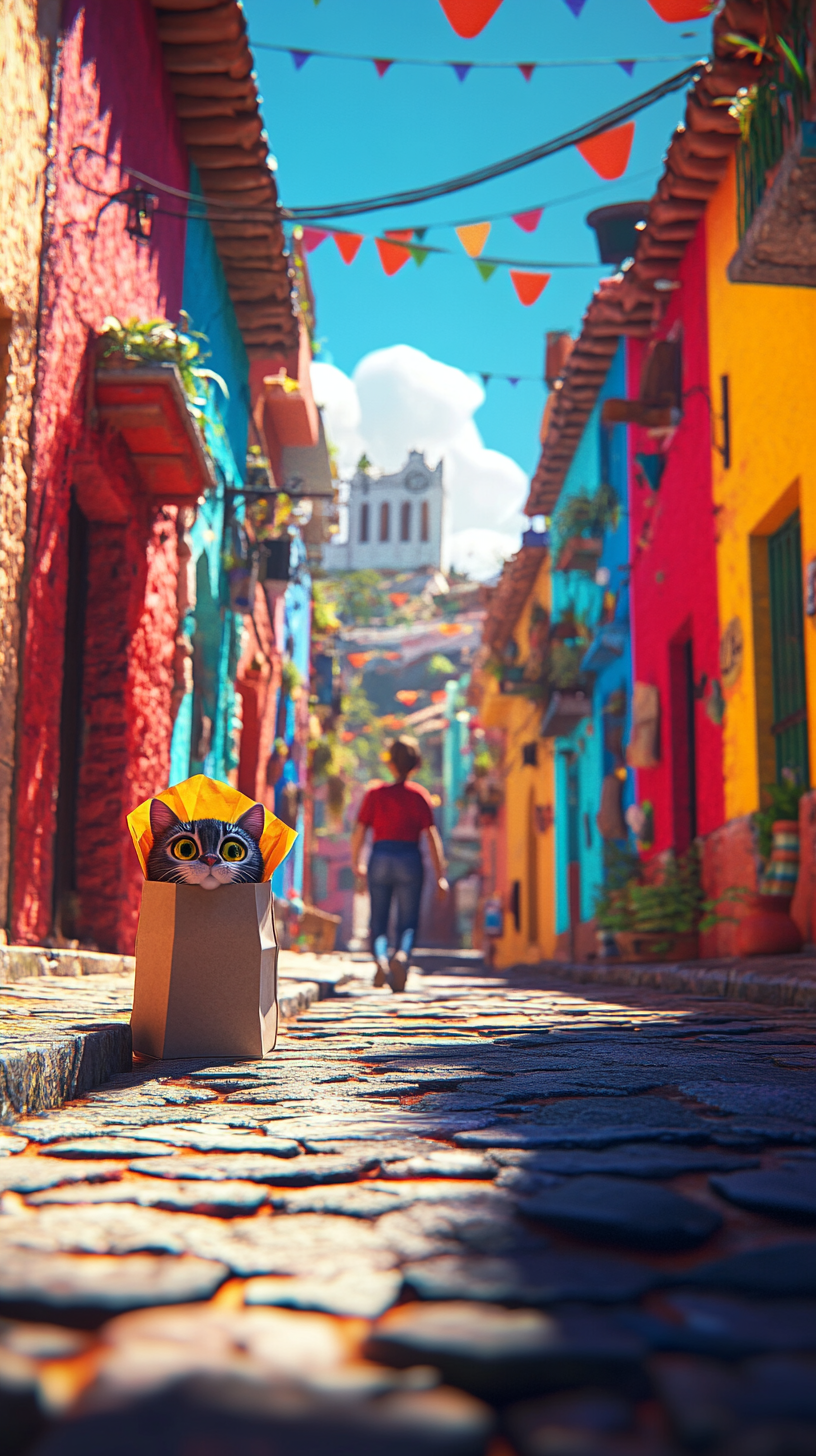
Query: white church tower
[[395, 522]]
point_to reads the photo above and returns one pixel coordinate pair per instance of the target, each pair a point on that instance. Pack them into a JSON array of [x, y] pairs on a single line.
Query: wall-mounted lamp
[[141, 207]]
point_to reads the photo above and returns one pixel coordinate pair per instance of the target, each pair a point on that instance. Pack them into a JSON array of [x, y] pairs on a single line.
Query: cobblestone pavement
[[523, 1218]]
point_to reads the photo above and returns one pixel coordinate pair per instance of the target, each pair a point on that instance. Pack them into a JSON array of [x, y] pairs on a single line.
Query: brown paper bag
[[206, 972]]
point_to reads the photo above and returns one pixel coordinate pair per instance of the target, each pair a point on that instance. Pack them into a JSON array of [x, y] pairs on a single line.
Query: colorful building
[[133, 633]]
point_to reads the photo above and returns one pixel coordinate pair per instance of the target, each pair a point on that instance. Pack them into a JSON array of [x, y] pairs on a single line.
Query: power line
[[600, 124]]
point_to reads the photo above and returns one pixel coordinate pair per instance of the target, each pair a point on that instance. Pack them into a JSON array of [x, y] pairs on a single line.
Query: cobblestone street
[[562, 1220]]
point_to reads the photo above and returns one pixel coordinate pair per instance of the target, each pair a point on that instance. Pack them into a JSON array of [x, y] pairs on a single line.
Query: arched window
[[385, 521], [405, 521], [364, 521], [424, 522]]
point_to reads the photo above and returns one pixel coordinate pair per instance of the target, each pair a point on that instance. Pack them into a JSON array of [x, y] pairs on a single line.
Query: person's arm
[[437, 858], [357, 841]]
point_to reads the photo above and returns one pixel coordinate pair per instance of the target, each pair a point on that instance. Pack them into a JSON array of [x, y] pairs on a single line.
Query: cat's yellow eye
[[184, 848], [232, 850]]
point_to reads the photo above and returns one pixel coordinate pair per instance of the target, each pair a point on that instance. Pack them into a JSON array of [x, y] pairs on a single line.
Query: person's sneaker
[[382, 973], [398, 970]]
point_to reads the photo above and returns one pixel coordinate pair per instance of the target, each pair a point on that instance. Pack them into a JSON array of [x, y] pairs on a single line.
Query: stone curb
[[20, 962], [778, 982]]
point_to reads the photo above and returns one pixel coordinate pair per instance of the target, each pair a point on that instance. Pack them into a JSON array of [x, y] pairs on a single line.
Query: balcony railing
[[771, 115]]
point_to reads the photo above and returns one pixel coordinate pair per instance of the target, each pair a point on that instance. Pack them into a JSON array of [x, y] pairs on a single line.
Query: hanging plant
[[156, 341]]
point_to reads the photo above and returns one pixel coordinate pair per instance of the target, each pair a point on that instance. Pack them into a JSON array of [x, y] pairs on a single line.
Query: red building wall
[[674, 573], [113, 95]]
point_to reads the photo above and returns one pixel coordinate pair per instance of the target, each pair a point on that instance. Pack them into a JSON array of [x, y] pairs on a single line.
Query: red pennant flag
[[393, 256], [674, 10], [608, 154], [312, 238], [527, 72], [381, 66], [529, 286], [469, 17], [400, 235], [528, 221], [348, 245]]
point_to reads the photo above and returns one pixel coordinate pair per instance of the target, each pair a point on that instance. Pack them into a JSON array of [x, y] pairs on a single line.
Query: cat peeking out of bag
[[205, 852]]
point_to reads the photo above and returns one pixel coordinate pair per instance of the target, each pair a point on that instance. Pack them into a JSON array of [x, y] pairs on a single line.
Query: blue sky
[[341, 132]]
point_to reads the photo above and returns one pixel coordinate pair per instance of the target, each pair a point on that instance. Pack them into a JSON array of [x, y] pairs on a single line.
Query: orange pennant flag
[[608, 154], [348, 245], [473, 237], [393, 256], [469, 17], [529, 286]]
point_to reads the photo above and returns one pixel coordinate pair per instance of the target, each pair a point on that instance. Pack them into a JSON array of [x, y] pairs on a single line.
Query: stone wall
[[730, 860], [25, 68]]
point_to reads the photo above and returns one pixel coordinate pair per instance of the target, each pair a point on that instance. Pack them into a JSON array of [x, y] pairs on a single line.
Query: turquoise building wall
[[601, 457], [212, 627]]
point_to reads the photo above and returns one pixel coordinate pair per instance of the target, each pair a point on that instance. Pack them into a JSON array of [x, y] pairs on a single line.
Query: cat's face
[[205, 852]]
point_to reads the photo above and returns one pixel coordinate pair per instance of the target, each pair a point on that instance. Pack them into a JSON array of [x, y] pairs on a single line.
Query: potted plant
[[656, 921], [580, 523], [133, 342]]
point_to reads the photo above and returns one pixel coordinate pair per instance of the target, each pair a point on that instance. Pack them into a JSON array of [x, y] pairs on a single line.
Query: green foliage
[[783, 803], [155, 341], [441, 666], [565, 664], [673, 905], [290, 677], [587, 515], [324, 612]]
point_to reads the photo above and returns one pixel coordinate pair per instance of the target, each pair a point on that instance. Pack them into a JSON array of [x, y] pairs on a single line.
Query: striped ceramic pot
[[783, 866]]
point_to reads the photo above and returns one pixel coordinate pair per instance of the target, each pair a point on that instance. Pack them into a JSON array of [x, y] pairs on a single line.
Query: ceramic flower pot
[[768, 929], [782, 869], [659, 945]]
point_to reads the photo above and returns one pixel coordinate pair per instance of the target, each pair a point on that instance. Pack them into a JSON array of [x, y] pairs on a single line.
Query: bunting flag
[[528, 221], [677, 10], [348, 245], [474, 237], [608, 154], [576, 6], [419, 254], [399, 235], [529, 286], [383, 64], [486, 270], [469, 17], [312, 238], [393, 256]]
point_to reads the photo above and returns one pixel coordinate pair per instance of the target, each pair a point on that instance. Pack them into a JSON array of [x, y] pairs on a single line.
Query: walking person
[[398, 815]]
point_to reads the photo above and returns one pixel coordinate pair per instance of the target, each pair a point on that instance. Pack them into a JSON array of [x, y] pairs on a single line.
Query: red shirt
[[397, 811]]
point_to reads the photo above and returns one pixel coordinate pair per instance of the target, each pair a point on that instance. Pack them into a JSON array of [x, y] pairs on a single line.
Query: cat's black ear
[[253, 820], [162, 817]]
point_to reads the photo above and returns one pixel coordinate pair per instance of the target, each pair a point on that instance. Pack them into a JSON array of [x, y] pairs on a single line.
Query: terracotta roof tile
[[209, 63], [630, 304]]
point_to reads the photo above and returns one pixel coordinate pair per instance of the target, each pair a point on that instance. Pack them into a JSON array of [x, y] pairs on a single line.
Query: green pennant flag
[[419, 255], [486, 270]]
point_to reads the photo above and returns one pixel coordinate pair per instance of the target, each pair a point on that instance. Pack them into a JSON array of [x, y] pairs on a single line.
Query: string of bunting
[[469, 17], [461, 69]]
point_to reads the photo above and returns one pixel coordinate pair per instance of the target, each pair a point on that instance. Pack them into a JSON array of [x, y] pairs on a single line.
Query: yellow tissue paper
[[203, 798]]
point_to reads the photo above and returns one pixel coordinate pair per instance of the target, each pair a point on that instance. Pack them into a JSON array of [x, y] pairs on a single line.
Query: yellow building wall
[[764, 338], [528, 853]]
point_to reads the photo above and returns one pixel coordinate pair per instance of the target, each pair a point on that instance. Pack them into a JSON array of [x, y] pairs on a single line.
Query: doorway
[[789, 726], [683, 741], [66, 900]]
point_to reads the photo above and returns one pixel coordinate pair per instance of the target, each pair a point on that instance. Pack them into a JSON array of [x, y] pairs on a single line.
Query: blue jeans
[[395, 868]]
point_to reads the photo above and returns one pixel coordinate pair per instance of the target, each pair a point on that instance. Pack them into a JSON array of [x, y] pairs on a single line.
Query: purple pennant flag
[[576, 6], [300, 58], [461, 71], [627, 66], [512, 381]]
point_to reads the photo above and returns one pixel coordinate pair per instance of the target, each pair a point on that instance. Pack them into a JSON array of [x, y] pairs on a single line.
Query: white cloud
[[479, 553], [400, 399]]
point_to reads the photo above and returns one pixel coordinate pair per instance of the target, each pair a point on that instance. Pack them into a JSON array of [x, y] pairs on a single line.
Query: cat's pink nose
[[209, 859]]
